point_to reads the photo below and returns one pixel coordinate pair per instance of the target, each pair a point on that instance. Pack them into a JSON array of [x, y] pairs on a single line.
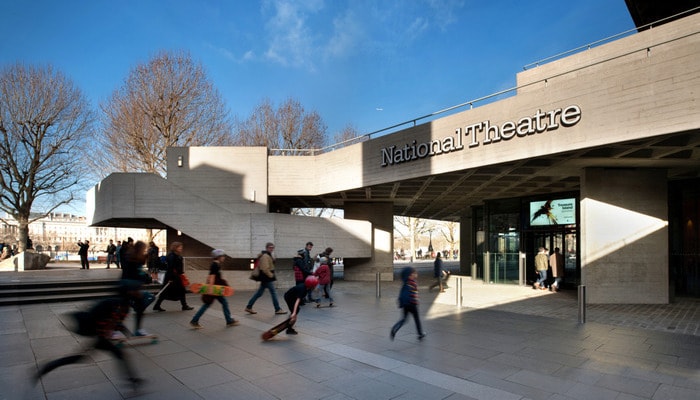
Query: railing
[[608, 39], [470, 103]]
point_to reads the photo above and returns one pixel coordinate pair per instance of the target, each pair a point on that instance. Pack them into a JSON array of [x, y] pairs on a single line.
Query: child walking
[[408, 300], [214, 278], [324, 281]]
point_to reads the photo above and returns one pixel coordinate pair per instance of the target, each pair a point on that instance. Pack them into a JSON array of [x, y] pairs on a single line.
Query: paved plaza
[[503, 342]]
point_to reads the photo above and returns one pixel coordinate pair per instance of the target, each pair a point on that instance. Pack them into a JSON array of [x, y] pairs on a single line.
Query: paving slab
[[496, 342]]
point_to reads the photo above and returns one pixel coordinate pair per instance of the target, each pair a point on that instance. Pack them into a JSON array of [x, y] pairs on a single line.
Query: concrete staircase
[[15, 293]]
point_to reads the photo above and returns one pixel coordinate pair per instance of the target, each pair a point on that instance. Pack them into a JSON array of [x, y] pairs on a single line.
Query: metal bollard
[[458, 291], [379, 285], [581, 304]]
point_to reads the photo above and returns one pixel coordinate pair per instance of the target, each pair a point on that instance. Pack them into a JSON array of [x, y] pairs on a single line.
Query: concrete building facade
[[597, 153]]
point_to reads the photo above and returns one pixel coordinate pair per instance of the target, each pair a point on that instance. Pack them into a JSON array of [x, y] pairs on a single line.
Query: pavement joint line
[[425, 375]]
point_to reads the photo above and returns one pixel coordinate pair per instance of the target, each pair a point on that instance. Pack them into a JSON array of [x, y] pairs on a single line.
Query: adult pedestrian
[[153, 260], [132, 271], [438, 273], [111, 250], [83, 253], [556, 262], [541, 266], [117, 254], [266, 265], [214, 278], [299, 266], [101, 321], [308, 263], [173, 278]]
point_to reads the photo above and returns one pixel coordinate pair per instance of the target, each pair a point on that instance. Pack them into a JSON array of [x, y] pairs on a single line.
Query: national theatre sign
[[539, 122]]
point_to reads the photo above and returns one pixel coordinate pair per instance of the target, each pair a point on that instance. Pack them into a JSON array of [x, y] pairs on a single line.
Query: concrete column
[[624, 236], [380, 214], [466, 249]]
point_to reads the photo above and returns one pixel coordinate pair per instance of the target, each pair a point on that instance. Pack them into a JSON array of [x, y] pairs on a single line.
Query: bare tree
[[347, 136], [449, 230], [167, 102], [412, 229], [44, 123], [287, 130], [261, 128]]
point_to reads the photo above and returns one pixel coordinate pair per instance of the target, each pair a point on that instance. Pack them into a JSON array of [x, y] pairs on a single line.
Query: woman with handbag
[[175, 279]]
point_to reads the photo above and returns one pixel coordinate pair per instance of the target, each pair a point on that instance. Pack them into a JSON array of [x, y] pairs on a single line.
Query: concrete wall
[[125, 196], [624, 237], [624, 92], [382, 241]]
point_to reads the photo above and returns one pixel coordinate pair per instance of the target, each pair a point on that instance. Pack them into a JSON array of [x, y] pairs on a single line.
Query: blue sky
[[368, 63]]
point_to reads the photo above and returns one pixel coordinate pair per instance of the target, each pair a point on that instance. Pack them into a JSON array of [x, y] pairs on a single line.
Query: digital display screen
[[553, 212]]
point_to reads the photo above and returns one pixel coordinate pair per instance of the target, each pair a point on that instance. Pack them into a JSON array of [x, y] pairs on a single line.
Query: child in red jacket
[[323, 272]]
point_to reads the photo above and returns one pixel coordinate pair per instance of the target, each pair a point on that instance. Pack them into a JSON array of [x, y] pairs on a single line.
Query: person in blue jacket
[[408, 300]]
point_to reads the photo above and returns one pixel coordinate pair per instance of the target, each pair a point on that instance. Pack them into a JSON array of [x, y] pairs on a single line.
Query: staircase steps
[[17, 293]]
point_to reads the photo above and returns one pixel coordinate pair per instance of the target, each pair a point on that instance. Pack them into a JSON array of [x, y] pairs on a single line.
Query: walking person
[[153, 261], [214, 278], [294, 297], [117, 254], [101, 321], [132, 271], [299, 266], [176, 290], [408, 301], [111, 249], [438, 274], [308, 264], [83, 253], [541, 266], [266, 264], [556, 261], [324, 280], [327, 253]]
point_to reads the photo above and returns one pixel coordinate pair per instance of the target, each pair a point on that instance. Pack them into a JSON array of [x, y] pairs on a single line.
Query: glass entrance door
[[565, 240]]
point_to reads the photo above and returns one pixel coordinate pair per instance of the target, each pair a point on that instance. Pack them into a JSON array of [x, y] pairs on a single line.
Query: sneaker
[[117, 335], [330, 305], [158, 308], [136, 382], [232, 323], [421, 336], [291, 331], [392, 334], [195, 325], [250, 310], [280, 311], [187, 308], [141, 332], [318, 304]]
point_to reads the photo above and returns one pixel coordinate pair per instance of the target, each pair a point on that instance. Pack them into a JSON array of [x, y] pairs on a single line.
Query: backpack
[[255, 273]]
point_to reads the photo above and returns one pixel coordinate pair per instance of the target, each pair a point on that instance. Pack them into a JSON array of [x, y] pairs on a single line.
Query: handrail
[[413, 121], [607, 39]]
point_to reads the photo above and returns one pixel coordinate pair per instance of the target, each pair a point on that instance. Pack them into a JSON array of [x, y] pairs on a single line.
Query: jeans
[[110, 259], [543, 277], [326, 293], [408, 309], [205, 306], [269, 286]]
